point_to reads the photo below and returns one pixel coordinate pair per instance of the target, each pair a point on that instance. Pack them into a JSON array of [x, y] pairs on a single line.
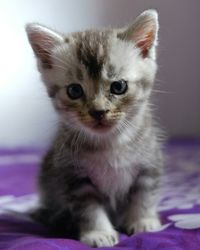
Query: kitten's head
[[98, 80]]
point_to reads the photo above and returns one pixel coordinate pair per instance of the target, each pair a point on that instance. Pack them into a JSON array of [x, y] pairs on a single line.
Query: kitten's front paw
[[144, 225], [100, 238]]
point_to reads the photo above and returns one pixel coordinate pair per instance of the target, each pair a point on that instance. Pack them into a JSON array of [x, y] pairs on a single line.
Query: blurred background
[[26, 114]]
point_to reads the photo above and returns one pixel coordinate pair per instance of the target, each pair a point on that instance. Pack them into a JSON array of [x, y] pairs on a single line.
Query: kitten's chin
[[101, 128]]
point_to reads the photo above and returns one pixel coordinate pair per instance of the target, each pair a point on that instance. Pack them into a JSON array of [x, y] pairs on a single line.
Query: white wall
[[26, 115]]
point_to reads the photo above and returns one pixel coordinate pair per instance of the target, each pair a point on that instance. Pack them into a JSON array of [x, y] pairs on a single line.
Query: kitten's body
[[101, 172]]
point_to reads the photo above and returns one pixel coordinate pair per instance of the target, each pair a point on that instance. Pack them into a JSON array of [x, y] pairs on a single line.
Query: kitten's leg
[[96, 229], [87, 206], [141, 214]]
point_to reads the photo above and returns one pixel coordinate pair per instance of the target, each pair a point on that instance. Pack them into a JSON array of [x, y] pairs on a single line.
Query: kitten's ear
[[143, 32], [43, 40]]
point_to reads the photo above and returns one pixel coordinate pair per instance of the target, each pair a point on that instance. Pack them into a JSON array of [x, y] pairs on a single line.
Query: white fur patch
[[144, 225], [99, 232], [126, 58], [100, 238], [111, 172]]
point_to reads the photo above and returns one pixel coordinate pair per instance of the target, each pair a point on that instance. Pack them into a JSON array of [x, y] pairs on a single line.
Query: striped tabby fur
[[100, 177]]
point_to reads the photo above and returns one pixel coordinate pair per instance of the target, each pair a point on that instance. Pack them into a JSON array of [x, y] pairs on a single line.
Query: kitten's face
[[98, 80]]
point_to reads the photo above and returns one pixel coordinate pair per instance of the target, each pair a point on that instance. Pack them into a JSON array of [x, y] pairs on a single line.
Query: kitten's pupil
[[118, 87], [74, 91]]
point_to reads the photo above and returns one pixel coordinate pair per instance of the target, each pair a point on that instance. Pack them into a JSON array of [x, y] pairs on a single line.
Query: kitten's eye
[[118, 87], [74, 91]]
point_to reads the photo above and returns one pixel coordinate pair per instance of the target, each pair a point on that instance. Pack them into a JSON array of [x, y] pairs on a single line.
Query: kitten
[[101, 174]]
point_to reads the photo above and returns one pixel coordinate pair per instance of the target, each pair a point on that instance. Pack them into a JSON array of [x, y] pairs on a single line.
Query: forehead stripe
[[91, 52], [90, 58]]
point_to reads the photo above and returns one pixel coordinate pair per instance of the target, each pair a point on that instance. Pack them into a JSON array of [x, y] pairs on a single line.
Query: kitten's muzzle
[[98, 115]]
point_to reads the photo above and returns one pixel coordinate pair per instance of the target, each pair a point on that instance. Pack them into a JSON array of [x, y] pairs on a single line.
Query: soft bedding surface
[[179, 208]]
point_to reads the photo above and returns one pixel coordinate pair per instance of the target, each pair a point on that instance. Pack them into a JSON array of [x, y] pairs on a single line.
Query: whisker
[[162, 91]]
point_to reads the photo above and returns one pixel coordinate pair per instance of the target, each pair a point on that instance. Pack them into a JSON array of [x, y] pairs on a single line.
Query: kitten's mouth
[[101, 126]]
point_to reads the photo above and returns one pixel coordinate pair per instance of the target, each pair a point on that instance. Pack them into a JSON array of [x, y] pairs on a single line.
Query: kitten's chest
[[111, 172]]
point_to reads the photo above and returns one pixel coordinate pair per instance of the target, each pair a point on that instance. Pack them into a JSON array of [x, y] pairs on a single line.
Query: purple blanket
[[179, 207]]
